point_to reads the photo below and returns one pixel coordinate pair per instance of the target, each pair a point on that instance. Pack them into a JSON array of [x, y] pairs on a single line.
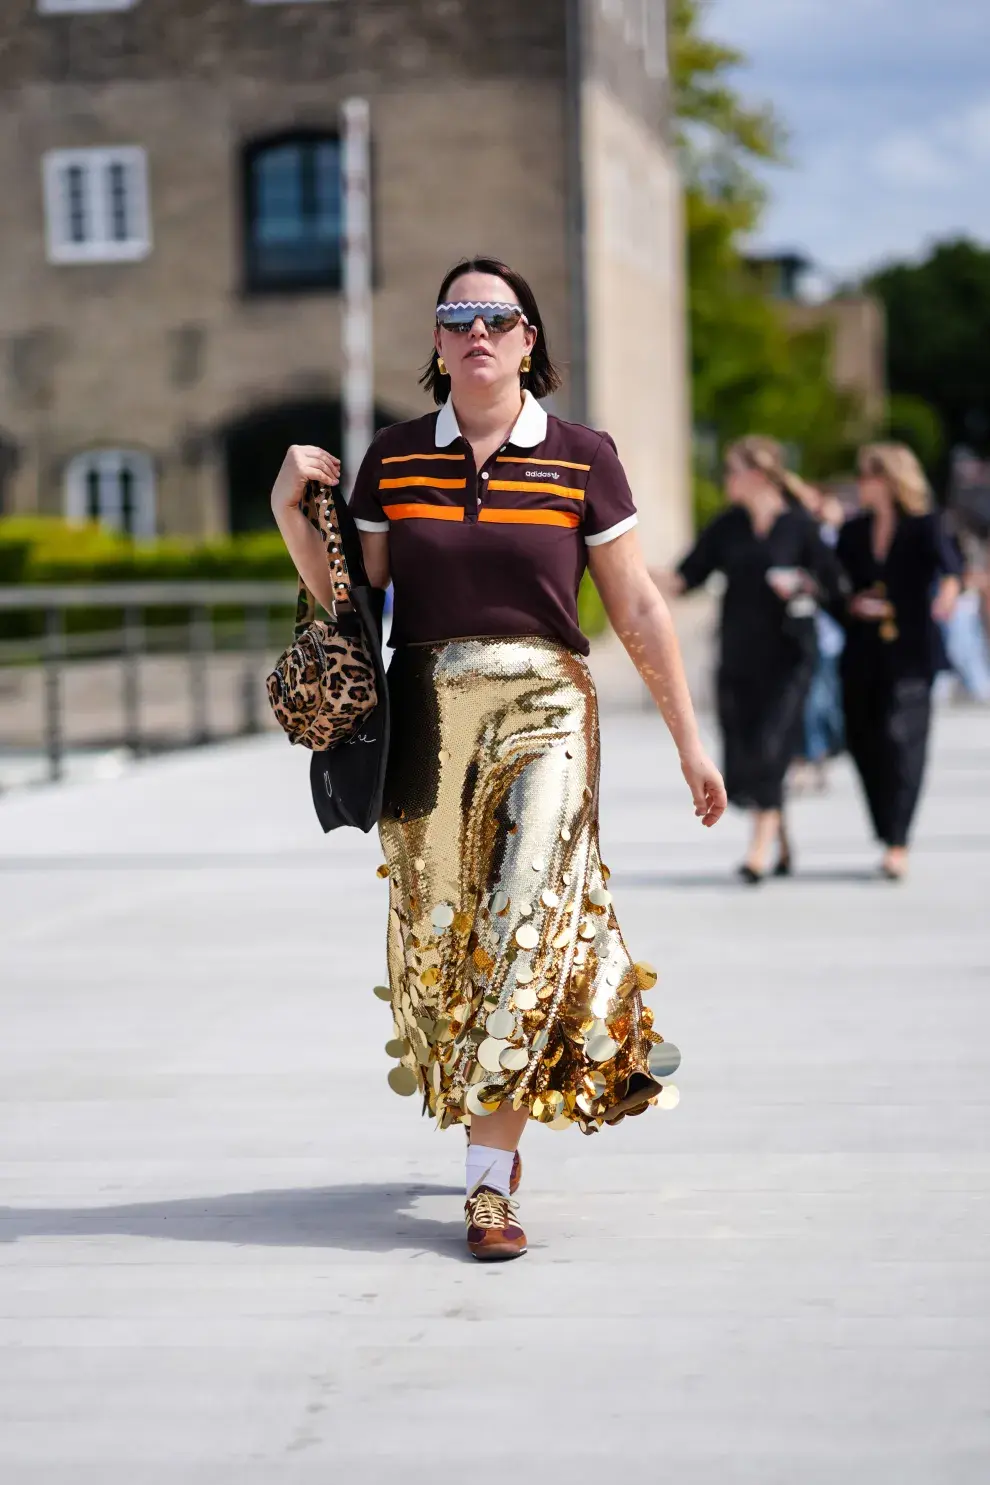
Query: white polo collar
[[529, 429]]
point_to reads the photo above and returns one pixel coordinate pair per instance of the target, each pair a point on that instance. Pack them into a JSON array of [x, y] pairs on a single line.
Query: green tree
[[938, 336], [750, 371], [915, 422]]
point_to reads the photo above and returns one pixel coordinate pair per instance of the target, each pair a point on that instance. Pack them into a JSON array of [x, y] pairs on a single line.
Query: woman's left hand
[[788, 582], [944, 605], [707, 788]]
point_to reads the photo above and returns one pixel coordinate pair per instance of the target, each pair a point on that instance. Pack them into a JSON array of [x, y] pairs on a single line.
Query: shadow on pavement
[[367, 1218], [817, 876]]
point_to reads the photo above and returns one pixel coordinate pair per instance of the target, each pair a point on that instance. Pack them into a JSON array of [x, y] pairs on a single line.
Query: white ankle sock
[[488, 1167]]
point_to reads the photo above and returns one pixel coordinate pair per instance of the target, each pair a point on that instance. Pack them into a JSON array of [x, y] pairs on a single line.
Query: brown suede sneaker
[[492, 1233]]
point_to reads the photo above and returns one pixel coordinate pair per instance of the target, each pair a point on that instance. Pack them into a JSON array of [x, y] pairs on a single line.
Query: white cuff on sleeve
[[619, 529], [371, 525]]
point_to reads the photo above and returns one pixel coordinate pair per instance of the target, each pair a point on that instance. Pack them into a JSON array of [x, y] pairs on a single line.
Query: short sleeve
[[946, 552], [705, 557], [609, 508], [365, 503]]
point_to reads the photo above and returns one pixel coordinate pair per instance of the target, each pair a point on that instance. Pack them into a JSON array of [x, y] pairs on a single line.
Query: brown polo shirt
[[495, 551]]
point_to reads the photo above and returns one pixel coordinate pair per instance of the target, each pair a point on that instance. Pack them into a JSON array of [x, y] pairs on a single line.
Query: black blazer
[[348, 781]]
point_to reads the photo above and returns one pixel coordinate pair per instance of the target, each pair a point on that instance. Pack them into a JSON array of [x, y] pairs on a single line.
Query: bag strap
[[317, 505]]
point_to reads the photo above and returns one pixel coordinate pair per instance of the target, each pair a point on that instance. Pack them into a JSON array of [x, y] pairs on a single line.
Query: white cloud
[[889, 113], [948, 153]]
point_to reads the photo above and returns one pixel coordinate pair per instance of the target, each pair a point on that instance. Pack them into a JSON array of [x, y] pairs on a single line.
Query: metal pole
[[255, 645], [357, 389], [131, 677], [54, 652], [200, 644]]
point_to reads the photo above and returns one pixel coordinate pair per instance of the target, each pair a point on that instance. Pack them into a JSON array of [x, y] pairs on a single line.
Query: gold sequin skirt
[[509, 977]]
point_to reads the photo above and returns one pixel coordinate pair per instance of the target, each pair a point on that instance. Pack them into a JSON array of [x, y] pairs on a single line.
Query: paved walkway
[[229, 1255]]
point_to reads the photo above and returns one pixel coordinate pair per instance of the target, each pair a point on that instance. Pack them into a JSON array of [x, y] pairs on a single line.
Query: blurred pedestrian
[[776, 568], [824, 729], [904, 579], [965, 631], [512, 992]]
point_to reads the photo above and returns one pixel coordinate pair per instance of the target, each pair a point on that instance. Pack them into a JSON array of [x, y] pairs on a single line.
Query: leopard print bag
[[323, 687]]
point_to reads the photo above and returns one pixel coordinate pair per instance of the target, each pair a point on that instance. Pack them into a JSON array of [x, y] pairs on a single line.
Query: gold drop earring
[[441, 366], [526, 364]]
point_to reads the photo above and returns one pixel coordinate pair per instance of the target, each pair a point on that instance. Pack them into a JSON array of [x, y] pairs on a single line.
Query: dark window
[[294, 214], [94, 504], [118, 202], [127, 499], [75, 184]]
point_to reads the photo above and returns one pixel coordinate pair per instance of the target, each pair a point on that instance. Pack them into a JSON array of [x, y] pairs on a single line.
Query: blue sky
[[888, 106]]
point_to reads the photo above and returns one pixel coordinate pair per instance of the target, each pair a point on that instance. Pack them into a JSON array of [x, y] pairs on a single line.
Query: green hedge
[[42, 549]]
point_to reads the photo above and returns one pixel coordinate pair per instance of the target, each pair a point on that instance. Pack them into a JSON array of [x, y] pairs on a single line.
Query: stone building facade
[[169, 308]]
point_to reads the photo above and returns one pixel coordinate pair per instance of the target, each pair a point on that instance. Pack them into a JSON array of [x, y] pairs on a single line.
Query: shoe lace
[[489, 1209]]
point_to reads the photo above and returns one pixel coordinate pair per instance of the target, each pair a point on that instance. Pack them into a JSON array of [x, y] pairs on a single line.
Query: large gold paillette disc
[[601, 1048], [403, 1080], [475, 1103], [500, 1024], [664, 1060], [490, 1053], [514, 1058]]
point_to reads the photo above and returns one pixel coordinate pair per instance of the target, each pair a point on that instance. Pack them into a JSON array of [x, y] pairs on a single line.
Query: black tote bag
[[348, 781]]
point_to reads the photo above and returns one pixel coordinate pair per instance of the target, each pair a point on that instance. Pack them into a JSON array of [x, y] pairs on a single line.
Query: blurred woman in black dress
[[776, 567], [904, 578]]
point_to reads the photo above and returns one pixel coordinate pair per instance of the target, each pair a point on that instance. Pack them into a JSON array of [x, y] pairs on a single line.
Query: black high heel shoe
[[785, 866], [746, 874]]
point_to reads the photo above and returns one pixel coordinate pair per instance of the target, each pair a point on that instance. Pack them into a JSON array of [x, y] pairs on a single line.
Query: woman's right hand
[[302, 463]]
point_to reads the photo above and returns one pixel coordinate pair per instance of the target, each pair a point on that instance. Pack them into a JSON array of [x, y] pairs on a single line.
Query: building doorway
[[255, 446]]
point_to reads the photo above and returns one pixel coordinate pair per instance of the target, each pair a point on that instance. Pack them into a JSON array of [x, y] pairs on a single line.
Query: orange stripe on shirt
[[410, 481], [569, 492], [547, 463], [528, 517], [405, 458], [424, 512]]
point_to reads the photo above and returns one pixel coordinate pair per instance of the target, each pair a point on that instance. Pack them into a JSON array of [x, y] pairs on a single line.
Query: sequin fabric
[[509, 977]]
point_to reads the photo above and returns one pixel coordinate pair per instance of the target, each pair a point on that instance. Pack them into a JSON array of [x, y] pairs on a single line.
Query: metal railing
[[55, 649]]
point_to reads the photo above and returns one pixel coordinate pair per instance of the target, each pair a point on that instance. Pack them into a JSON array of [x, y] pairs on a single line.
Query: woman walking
[[776, 567], [904, 577], [512, 991]]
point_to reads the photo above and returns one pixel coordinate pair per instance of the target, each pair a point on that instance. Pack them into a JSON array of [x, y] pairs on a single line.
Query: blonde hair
[[899, 466], [766, 456]]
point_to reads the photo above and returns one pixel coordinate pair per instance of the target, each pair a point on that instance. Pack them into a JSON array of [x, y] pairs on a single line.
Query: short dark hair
[[543, 376]]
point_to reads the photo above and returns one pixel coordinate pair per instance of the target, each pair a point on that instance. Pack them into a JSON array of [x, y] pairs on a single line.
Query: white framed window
[[68, 7], [96, 205], [113, 486]]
